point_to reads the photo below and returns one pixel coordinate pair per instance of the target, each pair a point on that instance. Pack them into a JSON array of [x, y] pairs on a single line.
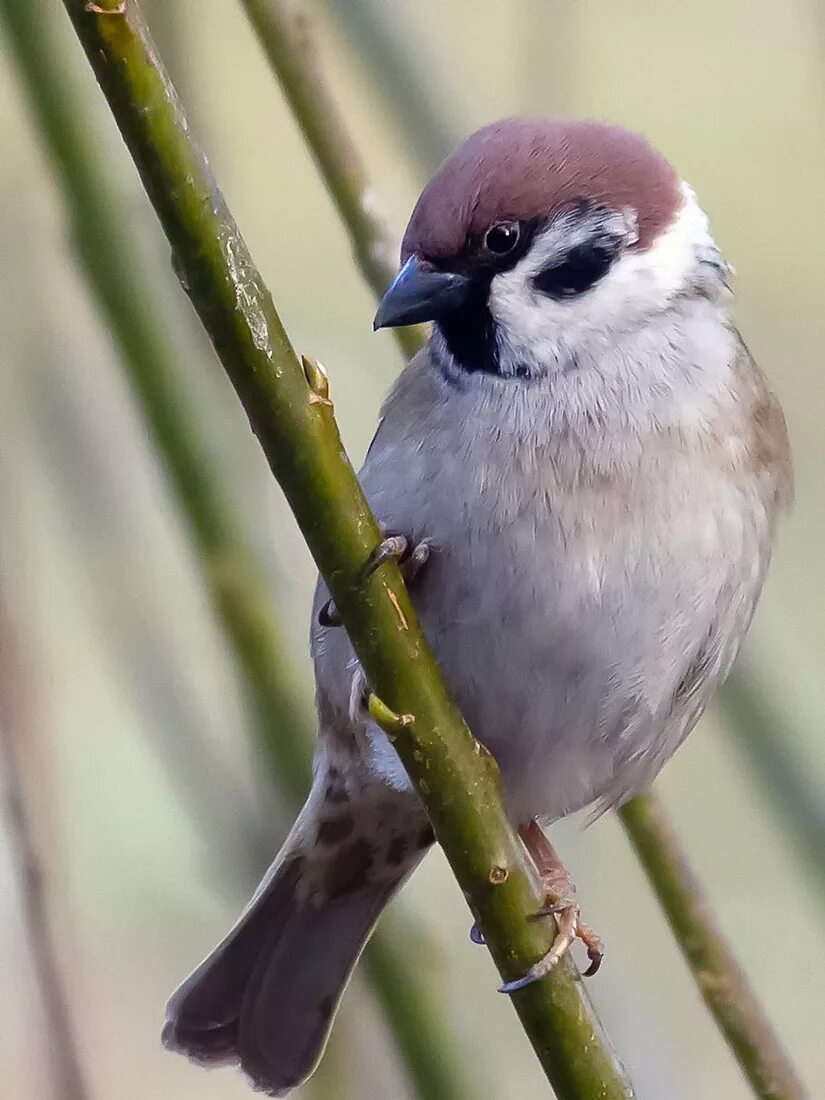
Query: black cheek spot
[[580, 268]]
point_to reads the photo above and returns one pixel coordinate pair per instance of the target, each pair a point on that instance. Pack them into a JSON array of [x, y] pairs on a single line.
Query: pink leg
[[560, 901]]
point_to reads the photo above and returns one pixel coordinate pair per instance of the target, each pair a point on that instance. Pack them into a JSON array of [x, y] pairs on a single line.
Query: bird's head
[[537, 238]]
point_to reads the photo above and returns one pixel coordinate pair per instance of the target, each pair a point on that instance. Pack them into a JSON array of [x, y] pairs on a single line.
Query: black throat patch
[[470, 334]]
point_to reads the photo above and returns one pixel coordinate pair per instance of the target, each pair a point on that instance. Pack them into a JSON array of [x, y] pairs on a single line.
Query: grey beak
[[420, 293]]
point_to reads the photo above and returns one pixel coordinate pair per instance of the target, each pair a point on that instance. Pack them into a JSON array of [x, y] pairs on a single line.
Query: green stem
[[719, 977], [414, 1016], [285, 37], [133, 306], [457, 781], [135, 312], [17, 732], [389, 42], [760, 729]]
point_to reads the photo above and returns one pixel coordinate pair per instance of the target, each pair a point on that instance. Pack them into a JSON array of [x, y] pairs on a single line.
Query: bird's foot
[[411, 558], [560, 903]]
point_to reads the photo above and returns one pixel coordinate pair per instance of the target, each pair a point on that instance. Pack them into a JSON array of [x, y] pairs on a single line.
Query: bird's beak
[[420, 293]]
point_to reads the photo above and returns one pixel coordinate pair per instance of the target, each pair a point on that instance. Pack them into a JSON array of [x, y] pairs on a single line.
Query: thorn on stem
[[387, 719], [318, 381]]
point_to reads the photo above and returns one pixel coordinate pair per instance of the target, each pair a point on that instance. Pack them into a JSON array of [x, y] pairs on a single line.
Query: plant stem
[[414, 1016], [15, 730], [133, 307], [390, 44], [720, 979], [457, 781], [134, 310], [285, 37], [760, 729]]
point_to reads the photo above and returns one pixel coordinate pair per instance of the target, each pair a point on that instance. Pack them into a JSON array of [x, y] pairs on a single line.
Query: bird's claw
[[560, 903], [328, 615], [390, 548], [410, 558], [570, 929], [415, 561]]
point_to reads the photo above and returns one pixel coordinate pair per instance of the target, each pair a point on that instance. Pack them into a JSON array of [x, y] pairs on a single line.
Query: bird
[[581, 475]]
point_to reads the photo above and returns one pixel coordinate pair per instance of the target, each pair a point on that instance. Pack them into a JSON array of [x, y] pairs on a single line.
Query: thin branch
[[760, 730], [134, 307], [300, 438], [15, 725], [286, 39], [386, 38], [720, 979], [85, 485], [414, 1015]]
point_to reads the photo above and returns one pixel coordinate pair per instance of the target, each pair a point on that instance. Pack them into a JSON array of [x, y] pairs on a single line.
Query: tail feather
[[266, 996], [294, 993], [202, 1015]]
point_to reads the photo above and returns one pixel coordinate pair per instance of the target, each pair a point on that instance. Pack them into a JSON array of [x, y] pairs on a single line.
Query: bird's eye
[[503, 238], [580, 269]]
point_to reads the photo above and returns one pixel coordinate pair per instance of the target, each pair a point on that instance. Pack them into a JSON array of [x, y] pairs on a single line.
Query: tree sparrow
[[586, 467]]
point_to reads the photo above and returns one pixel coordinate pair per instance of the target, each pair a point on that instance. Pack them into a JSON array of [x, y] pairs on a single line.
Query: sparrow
[[581, 474]]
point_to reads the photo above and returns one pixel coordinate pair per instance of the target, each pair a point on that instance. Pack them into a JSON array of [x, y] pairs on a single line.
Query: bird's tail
[[266, 996]]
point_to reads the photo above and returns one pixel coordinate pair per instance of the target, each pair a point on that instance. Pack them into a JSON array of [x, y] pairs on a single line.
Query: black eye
[[583, 266], [503, 238]]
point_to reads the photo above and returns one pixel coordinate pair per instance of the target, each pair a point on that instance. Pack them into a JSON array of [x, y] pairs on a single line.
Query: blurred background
[[135, 735]]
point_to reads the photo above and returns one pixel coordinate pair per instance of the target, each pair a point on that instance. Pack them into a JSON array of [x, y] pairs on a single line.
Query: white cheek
[[529, 323], [539, 332]]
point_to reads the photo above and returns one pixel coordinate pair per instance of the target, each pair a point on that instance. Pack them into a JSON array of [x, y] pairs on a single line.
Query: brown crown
[[521, 168]]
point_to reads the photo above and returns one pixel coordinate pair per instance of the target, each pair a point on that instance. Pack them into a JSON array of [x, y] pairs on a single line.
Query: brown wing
[[769, 450]]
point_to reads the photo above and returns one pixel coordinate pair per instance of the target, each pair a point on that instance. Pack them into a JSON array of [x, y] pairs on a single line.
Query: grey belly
[[580, 662], [581, 687]]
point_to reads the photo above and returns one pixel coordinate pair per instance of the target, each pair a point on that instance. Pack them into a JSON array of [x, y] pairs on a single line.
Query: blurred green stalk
[[721, 981], [285, 36], [16, 732], [385, 35], [757, 724], [132, 307], [290, 412]]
